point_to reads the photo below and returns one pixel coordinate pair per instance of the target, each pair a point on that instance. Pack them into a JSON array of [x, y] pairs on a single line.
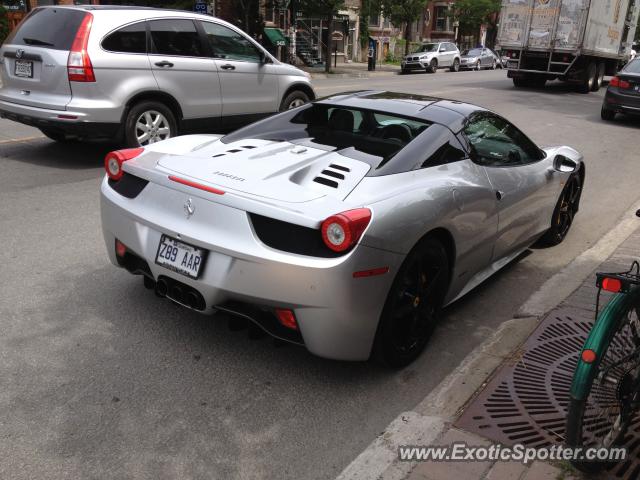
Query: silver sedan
[[344, 225]]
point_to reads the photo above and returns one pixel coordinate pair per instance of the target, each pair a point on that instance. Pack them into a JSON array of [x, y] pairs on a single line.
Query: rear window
[[633, 67], [48, 28], [176, 37], [130, 39], [371, 136]]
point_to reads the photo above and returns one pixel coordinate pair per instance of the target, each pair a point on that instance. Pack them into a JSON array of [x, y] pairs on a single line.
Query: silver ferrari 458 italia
[[344, 225]]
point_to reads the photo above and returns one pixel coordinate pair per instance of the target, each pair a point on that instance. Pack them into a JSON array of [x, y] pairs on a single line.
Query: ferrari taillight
[[114, 160], [79, 67], [342, 231]]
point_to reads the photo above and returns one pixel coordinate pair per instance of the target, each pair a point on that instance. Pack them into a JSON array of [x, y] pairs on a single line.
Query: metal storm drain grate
[[526, 402]]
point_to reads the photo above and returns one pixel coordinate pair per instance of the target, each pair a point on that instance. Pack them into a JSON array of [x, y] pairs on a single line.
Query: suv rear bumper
[[67, 121]]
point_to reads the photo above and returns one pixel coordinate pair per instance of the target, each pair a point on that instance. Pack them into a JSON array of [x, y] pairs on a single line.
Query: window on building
[[374, 20], [442, 18]]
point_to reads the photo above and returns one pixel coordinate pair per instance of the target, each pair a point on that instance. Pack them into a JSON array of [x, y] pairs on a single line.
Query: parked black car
[[623, 94]]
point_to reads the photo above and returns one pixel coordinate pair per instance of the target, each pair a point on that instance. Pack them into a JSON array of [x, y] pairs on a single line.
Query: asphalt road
[[101, 379]]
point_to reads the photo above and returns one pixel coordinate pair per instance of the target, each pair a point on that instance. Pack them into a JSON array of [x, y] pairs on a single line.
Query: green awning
[[276, 37]]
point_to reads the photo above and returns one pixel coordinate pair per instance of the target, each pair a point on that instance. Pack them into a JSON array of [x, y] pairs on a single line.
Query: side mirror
[[564, 164], [263, 58]]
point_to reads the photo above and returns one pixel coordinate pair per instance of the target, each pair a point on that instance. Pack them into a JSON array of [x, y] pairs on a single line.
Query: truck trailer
[[576, 41]]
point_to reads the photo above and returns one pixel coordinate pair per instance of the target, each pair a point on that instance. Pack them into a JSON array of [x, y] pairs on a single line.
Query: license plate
[[24, 69], [180, 257]]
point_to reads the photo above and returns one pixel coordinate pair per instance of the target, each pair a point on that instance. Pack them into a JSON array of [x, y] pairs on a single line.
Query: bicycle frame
[[599, 338]]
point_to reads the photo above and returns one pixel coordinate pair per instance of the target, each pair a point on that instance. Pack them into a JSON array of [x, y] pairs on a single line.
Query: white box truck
[[577, 41]]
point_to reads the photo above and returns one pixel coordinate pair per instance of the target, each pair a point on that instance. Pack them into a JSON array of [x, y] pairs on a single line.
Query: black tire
[[408, 320], [538, 82], [295, 99], [606, 394], [589, 78], [607, 115], [520, 82], [58, 136], [157, 111], [433, 66], [564, 212], [456, 65], [597, 85]]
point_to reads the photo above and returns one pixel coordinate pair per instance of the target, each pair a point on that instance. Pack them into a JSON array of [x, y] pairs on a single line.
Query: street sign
[[200, 6]]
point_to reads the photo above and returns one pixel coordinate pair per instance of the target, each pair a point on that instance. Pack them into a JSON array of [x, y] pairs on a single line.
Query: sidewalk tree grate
[[526, 401]]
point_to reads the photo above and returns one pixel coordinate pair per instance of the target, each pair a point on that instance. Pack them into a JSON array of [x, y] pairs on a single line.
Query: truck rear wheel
[[520, 82], [589, 77], [597, 85]]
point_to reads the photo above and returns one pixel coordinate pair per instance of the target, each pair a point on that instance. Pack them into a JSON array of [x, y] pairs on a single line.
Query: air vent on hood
[[326, 181], [233, 150], [339, 167], [331, 173]]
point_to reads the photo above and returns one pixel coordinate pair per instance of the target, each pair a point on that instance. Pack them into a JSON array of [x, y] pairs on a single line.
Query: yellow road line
[[25, 139]]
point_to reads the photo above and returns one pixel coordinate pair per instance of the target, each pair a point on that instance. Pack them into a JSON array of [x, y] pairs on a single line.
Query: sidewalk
[[581, 305], [352, 70], [502, 393]]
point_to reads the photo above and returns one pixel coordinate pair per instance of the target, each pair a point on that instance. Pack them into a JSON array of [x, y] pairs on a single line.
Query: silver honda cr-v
[[139, 75]]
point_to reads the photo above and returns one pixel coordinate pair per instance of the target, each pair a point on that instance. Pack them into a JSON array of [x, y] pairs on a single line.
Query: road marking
[[432, 416], [25, 139]]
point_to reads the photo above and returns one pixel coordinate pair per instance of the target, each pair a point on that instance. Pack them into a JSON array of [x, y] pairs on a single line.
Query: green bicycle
[[605, 393]]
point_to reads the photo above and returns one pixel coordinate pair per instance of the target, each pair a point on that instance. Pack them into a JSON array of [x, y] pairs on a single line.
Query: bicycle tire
[[616, 331]]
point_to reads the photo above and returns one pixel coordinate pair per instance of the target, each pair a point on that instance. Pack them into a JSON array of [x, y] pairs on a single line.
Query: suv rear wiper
[[35, 41]]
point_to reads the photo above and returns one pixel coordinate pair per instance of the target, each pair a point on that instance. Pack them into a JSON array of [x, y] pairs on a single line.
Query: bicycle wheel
[[601, 419]]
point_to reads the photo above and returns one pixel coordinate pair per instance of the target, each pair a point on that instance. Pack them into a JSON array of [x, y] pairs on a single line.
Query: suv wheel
[[149, 122], [295, 99], [456, 65], [433, 66]]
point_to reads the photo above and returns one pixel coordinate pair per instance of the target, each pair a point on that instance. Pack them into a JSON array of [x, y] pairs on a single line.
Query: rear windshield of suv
[[48, 28]]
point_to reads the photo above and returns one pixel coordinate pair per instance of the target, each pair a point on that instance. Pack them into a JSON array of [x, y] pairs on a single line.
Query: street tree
[[403, 12], [4, 24], [471, 14], [327, 9]]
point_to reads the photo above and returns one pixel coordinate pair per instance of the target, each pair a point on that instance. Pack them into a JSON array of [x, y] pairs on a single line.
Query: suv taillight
[[79, 66], [342, 231]]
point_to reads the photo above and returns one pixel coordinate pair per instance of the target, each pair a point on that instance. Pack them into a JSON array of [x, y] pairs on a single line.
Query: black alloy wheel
[[413, 304]]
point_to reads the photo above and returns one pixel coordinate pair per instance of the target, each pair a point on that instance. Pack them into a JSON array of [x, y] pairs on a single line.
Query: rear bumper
[[67, 121], [337, 314], [619, 102]]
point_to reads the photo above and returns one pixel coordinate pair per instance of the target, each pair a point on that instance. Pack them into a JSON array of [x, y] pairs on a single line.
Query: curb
[[320, 76], [435, 413]]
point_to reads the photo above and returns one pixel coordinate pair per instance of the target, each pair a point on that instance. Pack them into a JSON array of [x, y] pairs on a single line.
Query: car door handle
[[228, 67], [164, 63], [499, 195]]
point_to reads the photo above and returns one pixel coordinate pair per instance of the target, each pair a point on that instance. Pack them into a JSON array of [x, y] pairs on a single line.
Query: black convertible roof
[[451, 113]]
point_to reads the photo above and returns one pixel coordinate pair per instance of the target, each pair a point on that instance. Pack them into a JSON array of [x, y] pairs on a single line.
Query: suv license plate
[[23, 69], [180, 257]]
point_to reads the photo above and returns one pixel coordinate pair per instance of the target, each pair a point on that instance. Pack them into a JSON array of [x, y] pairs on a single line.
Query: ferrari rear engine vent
[[331, 173], [233, 150], [326, 181], [339, 167], [129, 185], [288, 237]]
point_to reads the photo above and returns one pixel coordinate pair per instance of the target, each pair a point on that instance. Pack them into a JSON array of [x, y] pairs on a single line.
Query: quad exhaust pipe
[[177, 291]]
